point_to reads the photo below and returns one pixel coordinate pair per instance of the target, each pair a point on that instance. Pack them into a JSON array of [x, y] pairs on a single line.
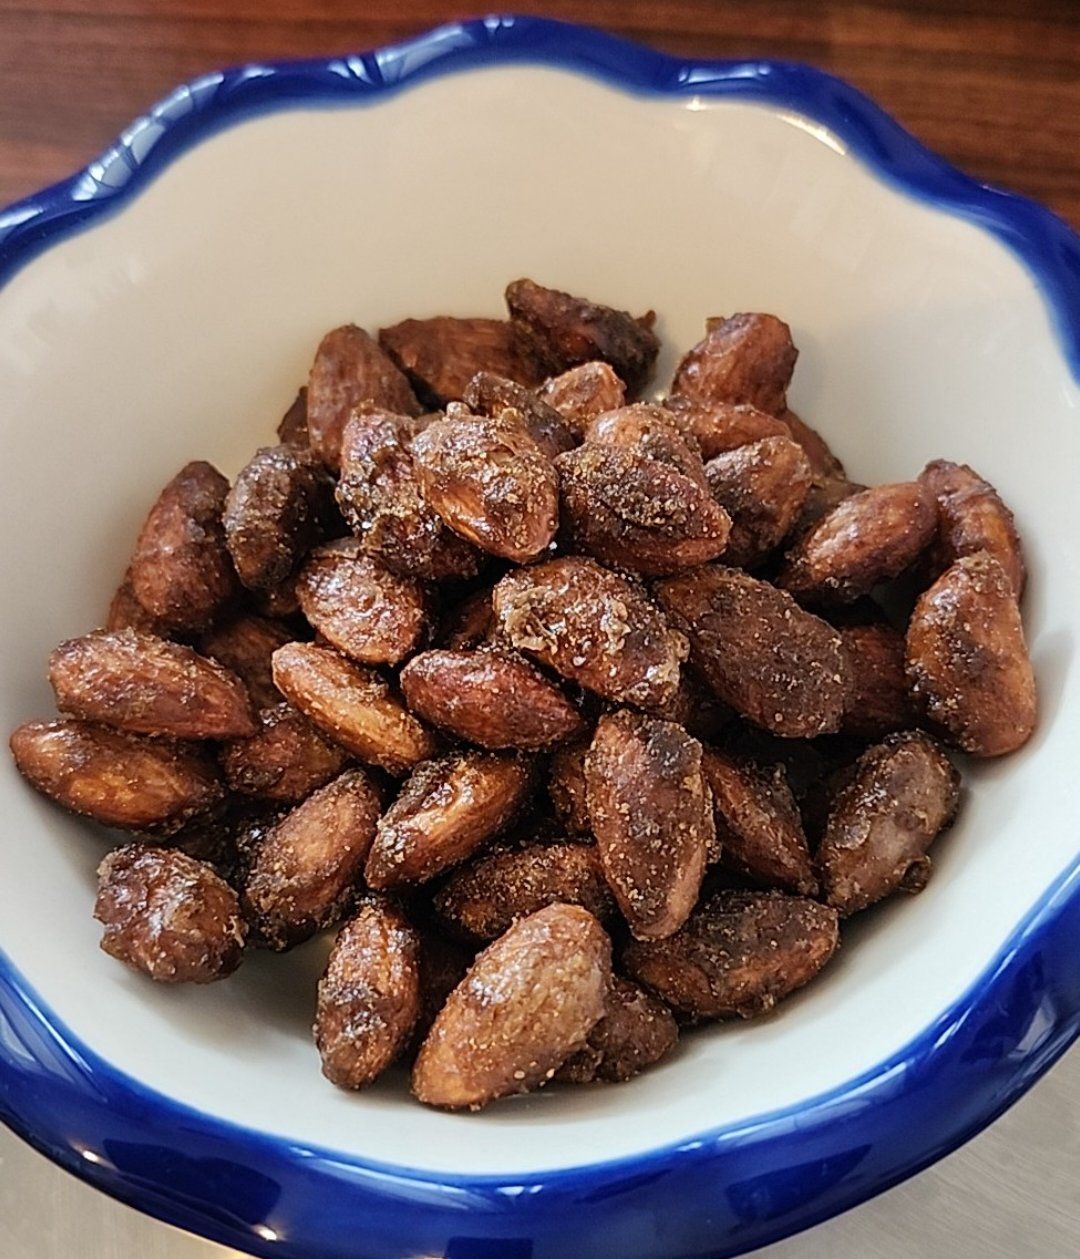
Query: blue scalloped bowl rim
[[728, 1190]]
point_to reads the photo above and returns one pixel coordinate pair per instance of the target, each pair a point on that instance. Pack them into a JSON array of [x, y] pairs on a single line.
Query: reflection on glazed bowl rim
[[728, 1189]]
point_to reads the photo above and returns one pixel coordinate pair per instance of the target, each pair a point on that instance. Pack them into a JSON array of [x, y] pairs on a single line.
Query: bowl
[[164, 303]]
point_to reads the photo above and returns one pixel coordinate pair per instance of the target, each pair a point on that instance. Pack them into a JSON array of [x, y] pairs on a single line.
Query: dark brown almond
[[145, 685], [825, 465], [869, 538], [352, 706], [492, 698], [528, 1002], [774, 663], [762, 487], [491, 483], [634, 512], [567, 787], [379, 495], [181, 571], [720, 426], [972, 517], [482, 899], [744, 359], [758, 827], [350, 369], [637, 1030], [900, 795], [126, 612], [293, 427], [274, 513], [574, 331], [359, 606], [967, 662], [446, 810], [277, 603], [245, 645], [286, 759], [168, 915], [582, 392], [117, 779], [651, 813], [593, 626], [490, 395], [650, 430], [879, 700], [739, 954], [306, 872], [369, 995], [441, 355]]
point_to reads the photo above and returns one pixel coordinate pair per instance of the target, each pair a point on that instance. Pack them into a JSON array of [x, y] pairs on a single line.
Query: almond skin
[[286, 759], [145, 685], [763, 487], [119, 780], [244, 645], [745, 359], [720, 426], [879, 701], [654, 432], [492, 698], [972, 517], [528, 1002], [637, 1030], [487, 394], [582, 392]]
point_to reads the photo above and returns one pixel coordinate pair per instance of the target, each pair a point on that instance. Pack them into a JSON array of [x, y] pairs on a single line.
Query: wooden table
[[994, 85]]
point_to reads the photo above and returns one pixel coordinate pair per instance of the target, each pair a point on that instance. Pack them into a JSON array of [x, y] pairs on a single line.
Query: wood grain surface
[[994, 85]]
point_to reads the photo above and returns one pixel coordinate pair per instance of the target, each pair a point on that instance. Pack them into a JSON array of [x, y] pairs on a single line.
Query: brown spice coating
[[482, 899], [286, 759], [721, 426], [359, 606], [652, 431], [762, 487], [761, 653], [899, 796], [274, 513], [446, 810], [491, 483], [352, 706], [350, 369], [867, 539], [441, 355], [119, 780], [575, 331], [181, 571], [637, 1030], [745, 359], [582, 392], [126, 612], [527, 1003], [972, 517], [967, 662], [379, 495], [739, 954], [490, 395], [879, 702], [306, 872], [369, 995], [758, 826], [277, 603], [244, 645], [168, 915], [593, 626], [567, 787], [651, 813], [292, 429], [492, 698], [146, 685], [634, 512]]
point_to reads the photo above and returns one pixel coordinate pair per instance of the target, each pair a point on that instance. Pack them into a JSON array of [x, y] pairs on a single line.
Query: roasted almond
[[293, 428], [146, 685], [493, 698], [168, 915], [369, 995], [244, 645], [117, 779], [763, 488], [967, 661], [528, 1002], [285, 759], [878, 702], [593, 626], [637, 1030], [487, 394], [720, 426], [359, 606], [582, 392], [126, 612], [446, 810], [744, 359], [972, 517], [181, 571], [653, 431], [761, 653], [567, 788], [738, 955]]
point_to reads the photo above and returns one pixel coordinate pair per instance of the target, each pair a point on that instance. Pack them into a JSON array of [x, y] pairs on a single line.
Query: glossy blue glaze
[[728, 1190]]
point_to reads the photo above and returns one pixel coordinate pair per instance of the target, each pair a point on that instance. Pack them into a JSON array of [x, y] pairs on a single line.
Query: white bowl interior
[[181, 327]]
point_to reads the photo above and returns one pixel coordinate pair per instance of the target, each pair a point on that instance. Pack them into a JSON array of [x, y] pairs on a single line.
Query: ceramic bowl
[[163, 305]]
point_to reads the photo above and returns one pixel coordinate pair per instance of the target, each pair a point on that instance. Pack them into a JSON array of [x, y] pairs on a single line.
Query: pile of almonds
[[583, 718]]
